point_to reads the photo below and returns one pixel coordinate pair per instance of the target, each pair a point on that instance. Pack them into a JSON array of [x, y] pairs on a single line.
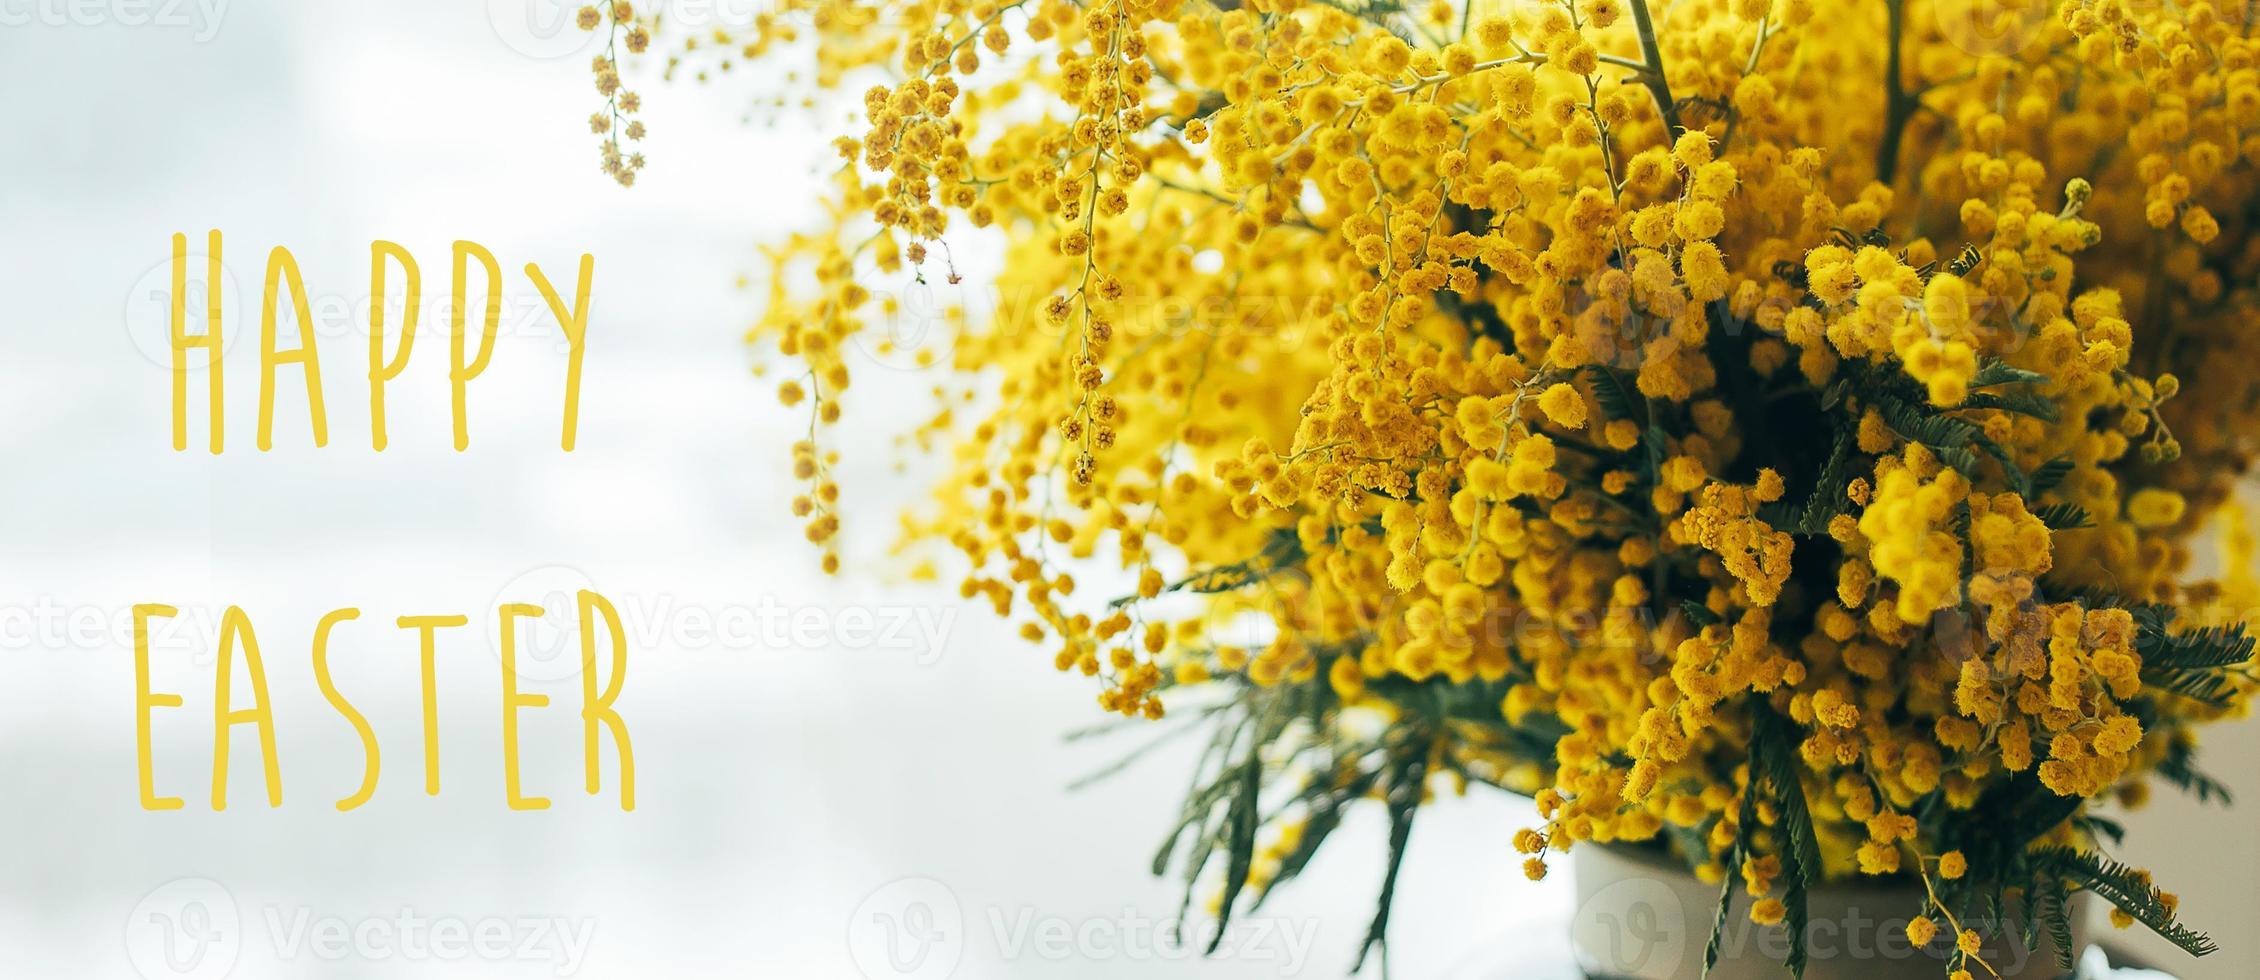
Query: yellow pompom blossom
[[1920, 931], [1732, 429]]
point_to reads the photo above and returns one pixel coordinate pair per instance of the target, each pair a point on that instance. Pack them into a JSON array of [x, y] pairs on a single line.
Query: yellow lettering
[[461, 371], [143, 699], [345, 708], [597, 709], [234, 625], [381, 370], [281, 266]]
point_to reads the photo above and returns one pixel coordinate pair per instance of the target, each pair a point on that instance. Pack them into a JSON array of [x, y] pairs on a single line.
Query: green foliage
[[2194, 664], [2063, 517], [1283, 549], [2124, 887], [2205, 648], [1996, 372], [1616, 400], [2178, 767], [1774, 771], [1411, 769], [2048, 476], [1828, 498], [2018, 402], [1259, 732], [1240, 824], [2049, 907], [1915, 421], [1957, 441], [1745, 827]]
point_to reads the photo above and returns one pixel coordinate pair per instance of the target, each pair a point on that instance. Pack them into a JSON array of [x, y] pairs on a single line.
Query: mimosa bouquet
[[1774, 431]]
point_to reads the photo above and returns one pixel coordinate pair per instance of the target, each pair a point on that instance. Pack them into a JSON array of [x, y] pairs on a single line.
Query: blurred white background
[[782, 779], [799, 789]]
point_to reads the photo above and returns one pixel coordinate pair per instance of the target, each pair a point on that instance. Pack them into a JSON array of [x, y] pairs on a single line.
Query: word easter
[[597, 713], [464, 363]]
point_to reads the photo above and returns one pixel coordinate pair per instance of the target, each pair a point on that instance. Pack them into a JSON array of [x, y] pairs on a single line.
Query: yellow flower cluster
[[1641, 376]]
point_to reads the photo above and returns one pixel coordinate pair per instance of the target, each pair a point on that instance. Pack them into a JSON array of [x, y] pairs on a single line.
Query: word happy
[[466, 361]]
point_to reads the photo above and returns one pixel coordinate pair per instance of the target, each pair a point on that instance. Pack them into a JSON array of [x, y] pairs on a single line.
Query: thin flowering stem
[[1898, 103], [1652, 58]]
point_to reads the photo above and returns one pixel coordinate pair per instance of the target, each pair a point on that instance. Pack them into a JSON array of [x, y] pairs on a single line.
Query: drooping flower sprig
[[616, 120]]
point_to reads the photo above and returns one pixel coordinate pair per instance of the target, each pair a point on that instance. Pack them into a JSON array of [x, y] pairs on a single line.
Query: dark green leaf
[[1998, 372], [1616, 400], [1828, 498], [2019, 402], [1409, 772], [1773, 747], [1240, 852], [2063, 517], [2126, 888], [2178, 768], [2048, 476]]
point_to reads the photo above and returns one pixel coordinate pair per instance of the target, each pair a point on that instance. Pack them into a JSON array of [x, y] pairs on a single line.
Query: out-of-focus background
[[851, 777]]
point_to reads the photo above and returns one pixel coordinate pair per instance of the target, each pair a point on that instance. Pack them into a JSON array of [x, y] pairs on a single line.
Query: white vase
[[1642, 916]]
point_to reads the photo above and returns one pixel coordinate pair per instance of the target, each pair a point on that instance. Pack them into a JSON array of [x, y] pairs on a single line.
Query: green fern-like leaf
[[1282, 549], [1617, 401], [2053, 911], [1998, 372], [2126, 888], [1828, 498], [1240, 846], [1744, 828], [2020, 402], [2178, 768], [2190, 663], [2064, 517], [1773, 751], [2049, 475], [2210, 688], [1919, 424], [2200, 649], [1409, 771]]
